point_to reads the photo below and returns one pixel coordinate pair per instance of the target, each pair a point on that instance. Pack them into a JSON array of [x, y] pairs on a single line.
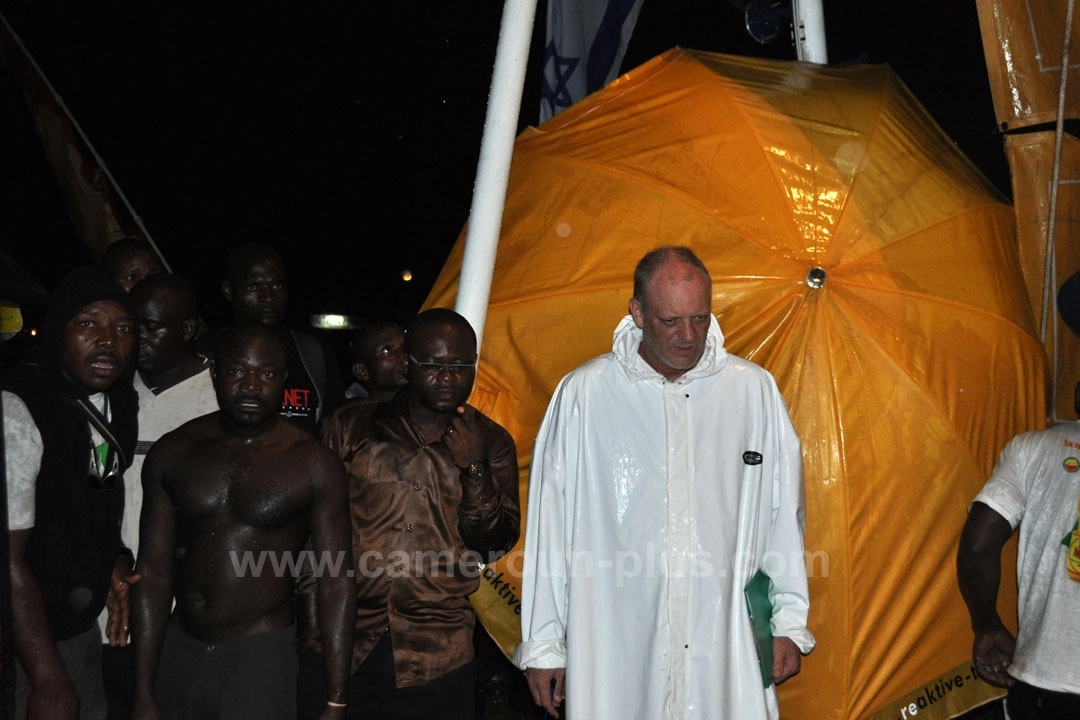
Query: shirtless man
[[229, 500]]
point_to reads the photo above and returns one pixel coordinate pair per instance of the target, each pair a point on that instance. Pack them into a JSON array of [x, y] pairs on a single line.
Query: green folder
[[760, 607]]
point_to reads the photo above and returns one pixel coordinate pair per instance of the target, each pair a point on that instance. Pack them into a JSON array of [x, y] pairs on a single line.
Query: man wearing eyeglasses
[[433, 493], [69, 433]]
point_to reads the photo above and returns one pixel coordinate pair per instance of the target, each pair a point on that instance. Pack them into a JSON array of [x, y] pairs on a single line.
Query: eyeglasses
[[437, 368]]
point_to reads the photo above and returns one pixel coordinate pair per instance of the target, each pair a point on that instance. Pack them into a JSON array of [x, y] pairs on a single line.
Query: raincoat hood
[[628, 338]]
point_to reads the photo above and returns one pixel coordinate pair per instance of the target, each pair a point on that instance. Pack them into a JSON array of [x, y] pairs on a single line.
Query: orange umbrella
[[858, 256]]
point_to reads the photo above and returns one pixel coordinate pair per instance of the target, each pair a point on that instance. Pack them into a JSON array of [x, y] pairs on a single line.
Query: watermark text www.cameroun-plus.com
[[623, 565]]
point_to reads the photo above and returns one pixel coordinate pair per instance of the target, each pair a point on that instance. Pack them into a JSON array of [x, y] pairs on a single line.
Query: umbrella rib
[[760, 147], [944, 302], [838, 433], [644, 181], [924, 229]]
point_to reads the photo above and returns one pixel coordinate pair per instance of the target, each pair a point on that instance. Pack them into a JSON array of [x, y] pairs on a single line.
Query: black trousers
[[373, 691], [118, 669], [1027, 702]]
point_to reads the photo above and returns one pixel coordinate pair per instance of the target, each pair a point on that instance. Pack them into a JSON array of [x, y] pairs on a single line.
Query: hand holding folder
[[760, 608]]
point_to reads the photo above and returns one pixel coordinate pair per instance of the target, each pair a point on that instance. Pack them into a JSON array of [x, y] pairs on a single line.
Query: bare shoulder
[[191, 433], [179, 450]]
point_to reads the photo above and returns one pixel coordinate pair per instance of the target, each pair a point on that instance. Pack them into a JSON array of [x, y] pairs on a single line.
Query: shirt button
[[210, 648]]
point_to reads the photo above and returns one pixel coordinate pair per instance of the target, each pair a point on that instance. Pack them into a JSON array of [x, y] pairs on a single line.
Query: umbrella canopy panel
[[856, 254]]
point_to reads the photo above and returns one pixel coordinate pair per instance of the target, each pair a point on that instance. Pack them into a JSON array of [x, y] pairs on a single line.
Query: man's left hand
[[118, 601], [462, 438], [787, 660]]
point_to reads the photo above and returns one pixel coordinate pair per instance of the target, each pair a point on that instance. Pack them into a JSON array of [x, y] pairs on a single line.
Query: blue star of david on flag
[[586, 42], [557, 73]]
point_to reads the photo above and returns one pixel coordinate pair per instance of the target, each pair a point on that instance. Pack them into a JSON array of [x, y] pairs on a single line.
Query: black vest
[[76, 535]]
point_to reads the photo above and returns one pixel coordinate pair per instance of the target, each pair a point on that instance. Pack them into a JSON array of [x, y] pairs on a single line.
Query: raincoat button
[[416, 486], [408, 527]]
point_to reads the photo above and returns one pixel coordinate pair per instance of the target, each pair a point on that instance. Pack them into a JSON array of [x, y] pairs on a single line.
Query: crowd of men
[[205, 523]]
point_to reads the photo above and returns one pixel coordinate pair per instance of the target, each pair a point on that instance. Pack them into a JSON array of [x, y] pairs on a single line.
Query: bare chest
[[258, 489]]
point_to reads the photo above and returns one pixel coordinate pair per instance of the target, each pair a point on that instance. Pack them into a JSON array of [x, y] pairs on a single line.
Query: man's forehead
[[137, 255], [159, 309], [383, 336], [678, 271], [100, 306], [445, 347], [254, 348], [258, 360], [266, 267], [159, 297]]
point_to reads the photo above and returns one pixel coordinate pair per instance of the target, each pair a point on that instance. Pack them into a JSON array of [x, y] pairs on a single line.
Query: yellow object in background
[[858, 256], [11, 321]]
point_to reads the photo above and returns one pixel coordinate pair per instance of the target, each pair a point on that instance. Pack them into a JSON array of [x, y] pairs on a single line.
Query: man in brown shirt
[[433, 493]]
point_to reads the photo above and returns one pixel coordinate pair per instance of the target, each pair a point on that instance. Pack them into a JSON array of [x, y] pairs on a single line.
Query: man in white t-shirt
[[174, 385], [1035, 486]]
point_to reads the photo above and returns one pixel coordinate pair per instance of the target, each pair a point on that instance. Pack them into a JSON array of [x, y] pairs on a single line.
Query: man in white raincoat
[[665, 475]]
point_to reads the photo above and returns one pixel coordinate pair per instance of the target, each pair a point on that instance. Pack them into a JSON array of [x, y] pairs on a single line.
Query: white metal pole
[[810, 31], [493, 167]]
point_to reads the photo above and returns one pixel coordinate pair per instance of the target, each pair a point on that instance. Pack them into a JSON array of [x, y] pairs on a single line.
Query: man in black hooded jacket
[[70, 421]]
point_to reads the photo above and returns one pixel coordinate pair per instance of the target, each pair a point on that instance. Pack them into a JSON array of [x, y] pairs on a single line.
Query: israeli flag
[[586, 42]]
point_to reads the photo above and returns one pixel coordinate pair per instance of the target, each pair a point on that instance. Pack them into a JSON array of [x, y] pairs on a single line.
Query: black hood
[[76, 290]]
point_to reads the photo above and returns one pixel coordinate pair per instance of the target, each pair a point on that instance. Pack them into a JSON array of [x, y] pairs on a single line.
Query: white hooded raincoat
[[651, 504]]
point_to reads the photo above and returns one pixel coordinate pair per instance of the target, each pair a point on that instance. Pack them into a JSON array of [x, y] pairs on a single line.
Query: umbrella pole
[[493, 167]]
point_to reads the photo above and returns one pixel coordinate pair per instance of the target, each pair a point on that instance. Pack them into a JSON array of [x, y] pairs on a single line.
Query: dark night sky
[[347, 136]]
